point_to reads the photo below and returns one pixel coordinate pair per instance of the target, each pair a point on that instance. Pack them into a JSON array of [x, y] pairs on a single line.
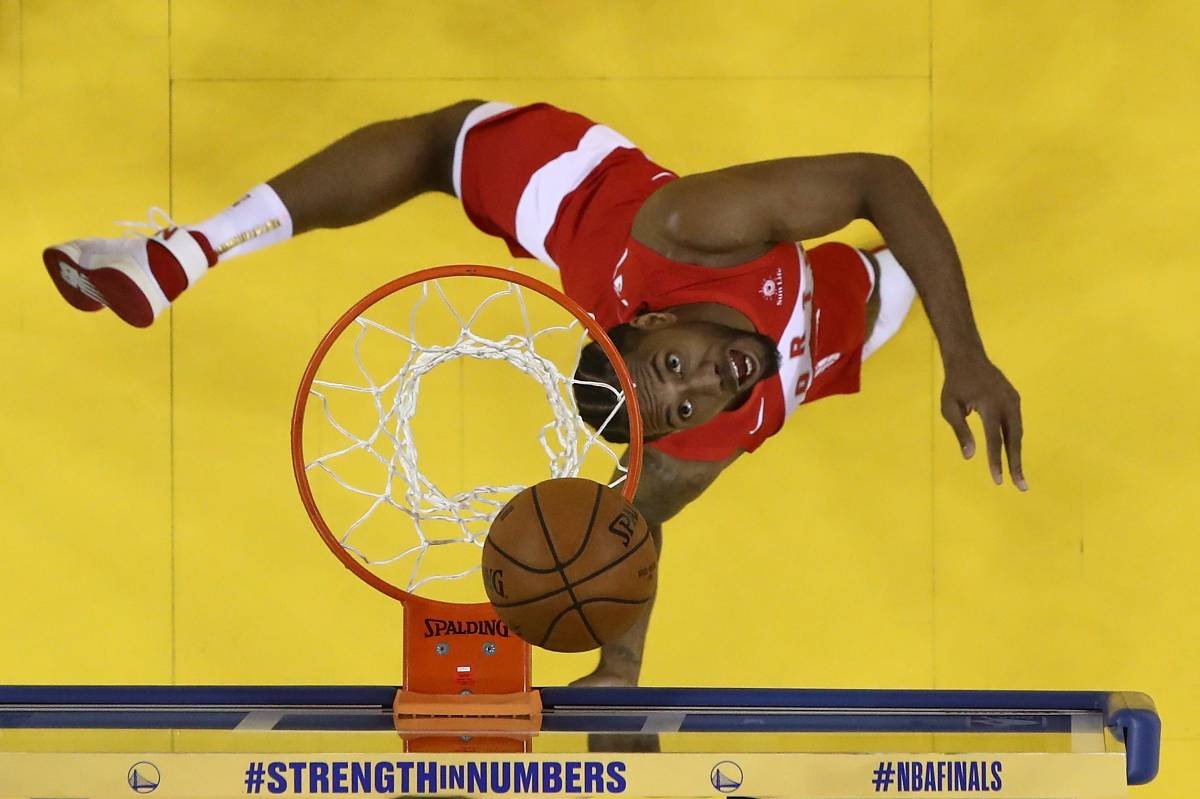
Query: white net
[[400, 511]]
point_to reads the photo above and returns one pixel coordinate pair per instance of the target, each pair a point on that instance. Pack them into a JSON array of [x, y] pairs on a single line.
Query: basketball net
[[380, 359]]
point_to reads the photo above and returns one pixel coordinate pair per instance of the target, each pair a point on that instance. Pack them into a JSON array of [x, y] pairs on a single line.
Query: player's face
[[687, 371]]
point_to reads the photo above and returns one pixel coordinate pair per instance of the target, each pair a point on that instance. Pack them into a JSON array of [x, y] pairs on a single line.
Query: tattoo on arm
[[669, 484]]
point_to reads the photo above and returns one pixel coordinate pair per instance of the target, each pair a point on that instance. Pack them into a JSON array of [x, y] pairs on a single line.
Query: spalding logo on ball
[[569, 564], [624, 525]]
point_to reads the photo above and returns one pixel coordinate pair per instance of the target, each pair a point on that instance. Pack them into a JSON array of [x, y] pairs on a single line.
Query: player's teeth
[[749, 366]]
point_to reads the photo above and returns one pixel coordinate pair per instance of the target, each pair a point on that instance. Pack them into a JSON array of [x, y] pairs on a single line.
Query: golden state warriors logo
[[726, 776], [143, 777]]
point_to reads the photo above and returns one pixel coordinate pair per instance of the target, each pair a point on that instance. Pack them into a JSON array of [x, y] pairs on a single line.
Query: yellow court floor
[[152, 532]]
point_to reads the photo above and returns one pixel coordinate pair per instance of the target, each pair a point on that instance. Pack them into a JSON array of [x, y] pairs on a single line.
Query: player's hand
[[604, 678], [976, 385], [615, 742]]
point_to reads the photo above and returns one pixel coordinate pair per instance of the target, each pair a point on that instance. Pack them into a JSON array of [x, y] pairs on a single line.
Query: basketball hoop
[[450, 646]]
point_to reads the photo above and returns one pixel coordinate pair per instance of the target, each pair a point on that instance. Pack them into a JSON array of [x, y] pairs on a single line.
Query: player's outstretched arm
[[743, 210], [667, 486]]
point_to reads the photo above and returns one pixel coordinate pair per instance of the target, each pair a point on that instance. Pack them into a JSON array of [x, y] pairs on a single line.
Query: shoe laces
[[157, 220]]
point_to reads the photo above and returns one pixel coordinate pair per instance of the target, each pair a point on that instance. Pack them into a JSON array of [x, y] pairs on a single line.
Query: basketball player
[[727, 325]]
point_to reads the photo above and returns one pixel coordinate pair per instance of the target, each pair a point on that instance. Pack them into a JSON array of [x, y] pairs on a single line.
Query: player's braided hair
[[594, 402]]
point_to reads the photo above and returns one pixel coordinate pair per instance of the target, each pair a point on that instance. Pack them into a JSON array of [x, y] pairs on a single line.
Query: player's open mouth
[[744, 367]]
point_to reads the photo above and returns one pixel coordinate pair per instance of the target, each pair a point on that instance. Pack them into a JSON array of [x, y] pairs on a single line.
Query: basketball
[[569, 564]]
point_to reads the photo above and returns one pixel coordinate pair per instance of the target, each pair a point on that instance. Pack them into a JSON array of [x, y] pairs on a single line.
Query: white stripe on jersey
[[549, 186], [795, 344]]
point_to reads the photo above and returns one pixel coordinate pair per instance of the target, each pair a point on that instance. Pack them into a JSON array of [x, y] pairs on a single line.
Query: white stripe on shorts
[[896, 295], [549, 186], [477, 115], [866, 262]]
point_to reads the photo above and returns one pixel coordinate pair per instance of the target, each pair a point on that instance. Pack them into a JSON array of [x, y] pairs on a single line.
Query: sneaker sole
[[113, 288], [56, 261]]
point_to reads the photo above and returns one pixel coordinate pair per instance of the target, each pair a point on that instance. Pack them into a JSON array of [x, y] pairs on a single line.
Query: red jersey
[[556, 186]]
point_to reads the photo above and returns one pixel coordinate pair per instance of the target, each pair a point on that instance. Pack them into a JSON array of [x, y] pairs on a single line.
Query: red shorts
[[555, 186]]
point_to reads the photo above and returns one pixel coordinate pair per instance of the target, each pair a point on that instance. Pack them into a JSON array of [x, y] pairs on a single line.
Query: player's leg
[[355, 179], [373, 170]]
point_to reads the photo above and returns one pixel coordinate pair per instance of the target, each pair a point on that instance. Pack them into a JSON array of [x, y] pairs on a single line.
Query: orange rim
[[597, 333]]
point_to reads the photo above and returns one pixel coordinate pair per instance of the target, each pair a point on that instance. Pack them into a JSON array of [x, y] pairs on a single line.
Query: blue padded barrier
[[1134, 720], [1130, 716]]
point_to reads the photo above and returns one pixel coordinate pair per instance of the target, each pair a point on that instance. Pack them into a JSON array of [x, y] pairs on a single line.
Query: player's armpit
[[751, 206], [668, 484]]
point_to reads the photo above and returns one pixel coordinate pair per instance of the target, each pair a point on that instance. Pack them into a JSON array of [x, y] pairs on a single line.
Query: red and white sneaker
[[136, 277]]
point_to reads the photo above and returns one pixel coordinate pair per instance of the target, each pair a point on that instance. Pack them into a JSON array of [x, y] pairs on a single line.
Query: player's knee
[[453, 116]]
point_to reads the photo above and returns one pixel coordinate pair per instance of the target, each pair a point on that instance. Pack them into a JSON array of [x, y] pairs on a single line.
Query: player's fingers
[[1013, 431], [956, 417], [993, 437]]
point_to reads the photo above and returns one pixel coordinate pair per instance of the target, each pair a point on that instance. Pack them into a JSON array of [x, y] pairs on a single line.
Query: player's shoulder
[[676, 221]]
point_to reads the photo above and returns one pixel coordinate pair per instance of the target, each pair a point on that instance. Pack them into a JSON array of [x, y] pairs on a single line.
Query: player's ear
[[653, 320]]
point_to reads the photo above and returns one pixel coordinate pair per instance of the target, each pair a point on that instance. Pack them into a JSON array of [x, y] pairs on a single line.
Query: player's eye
[[674, 364], [685, 409]]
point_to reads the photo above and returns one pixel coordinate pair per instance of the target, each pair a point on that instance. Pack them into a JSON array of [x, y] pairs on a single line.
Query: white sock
[[258, 220], [896, 295]]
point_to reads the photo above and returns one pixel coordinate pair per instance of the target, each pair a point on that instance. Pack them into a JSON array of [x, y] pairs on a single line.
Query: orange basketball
[[569, 564]]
